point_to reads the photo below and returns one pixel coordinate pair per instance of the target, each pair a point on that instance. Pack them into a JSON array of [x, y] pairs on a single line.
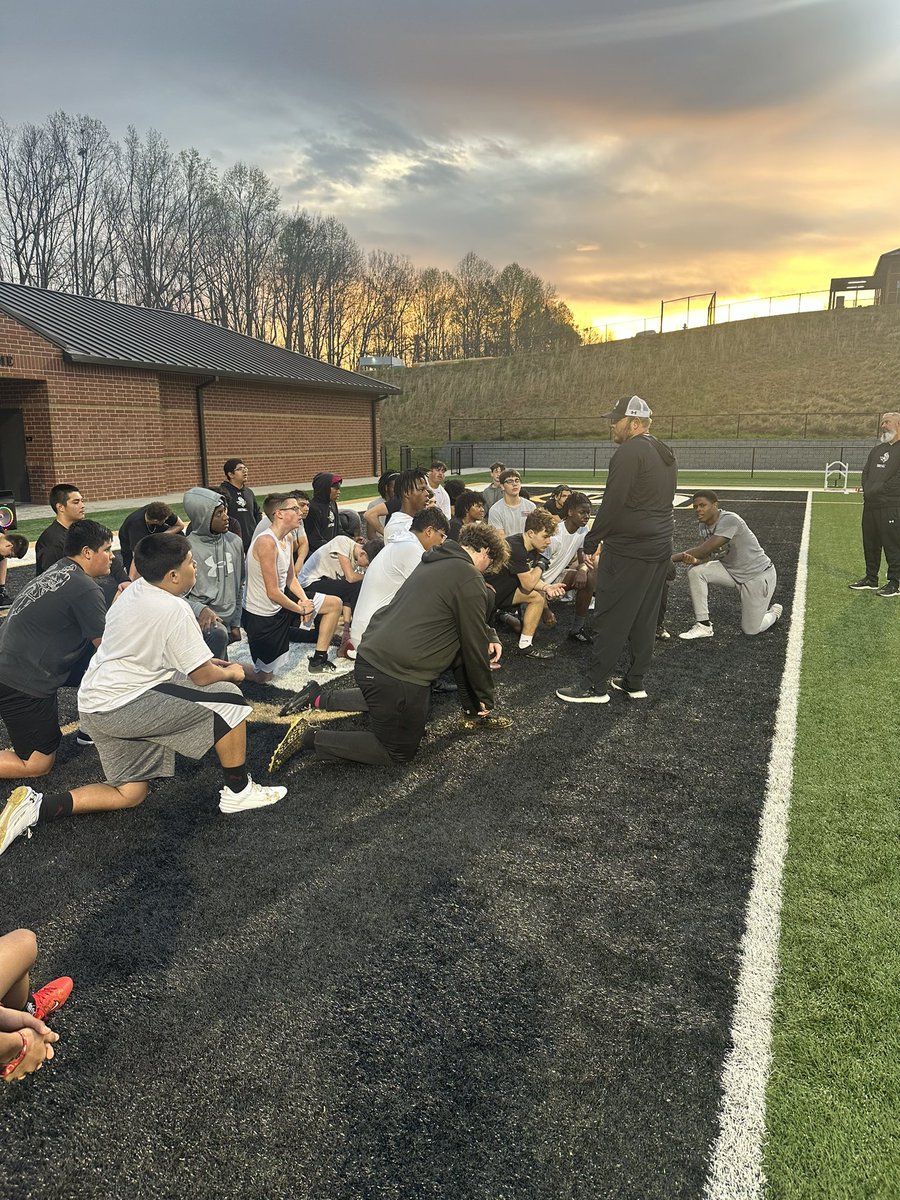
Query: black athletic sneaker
[[582, 693], [305, 698], [618, 682], [582, 637], [891, 588], [318, 666], [83, 739], [533, 652], [5, 598], [864, 585]]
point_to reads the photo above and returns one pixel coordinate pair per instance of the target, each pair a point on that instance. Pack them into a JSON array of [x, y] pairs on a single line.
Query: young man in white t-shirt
[[152, 690], [276, 602], [570, 566], [436, 475]]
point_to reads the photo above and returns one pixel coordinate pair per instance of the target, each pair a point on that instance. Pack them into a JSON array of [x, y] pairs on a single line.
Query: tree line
[[139, 223]]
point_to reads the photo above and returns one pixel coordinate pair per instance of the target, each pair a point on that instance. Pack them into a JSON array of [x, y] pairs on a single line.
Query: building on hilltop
[[883, 283], [126, 401]]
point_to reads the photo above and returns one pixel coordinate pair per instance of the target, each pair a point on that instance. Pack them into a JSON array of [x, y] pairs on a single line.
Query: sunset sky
[[626, 150]]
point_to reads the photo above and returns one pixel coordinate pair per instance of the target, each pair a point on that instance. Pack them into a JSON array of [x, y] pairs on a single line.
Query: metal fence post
[[752, 461], [595, 462], [805, 423], [738, 433]]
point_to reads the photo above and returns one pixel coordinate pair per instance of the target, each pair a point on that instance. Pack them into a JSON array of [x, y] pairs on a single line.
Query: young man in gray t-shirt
[[728, 555], [510, 512]]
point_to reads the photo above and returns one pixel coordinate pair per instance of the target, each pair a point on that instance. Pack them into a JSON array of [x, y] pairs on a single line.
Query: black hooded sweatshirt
[[439, 612], [635, 517], [321, 522]]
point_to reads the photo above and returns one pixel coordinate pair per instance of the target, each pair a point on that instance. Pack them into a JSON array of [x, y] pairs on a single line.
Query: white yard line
[[736, 1170]]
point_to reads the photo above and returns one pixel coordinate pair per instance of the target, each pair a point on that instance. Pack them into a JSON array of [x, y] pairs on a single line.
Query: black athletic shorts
[[32, 722]]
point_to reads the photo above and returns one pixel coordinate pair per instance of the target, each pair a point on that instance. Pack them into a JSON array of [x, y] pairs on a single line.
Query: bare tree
[[199, 186], [32, 181], [476, 308], [89, 158], [248, 227], [152, 218]]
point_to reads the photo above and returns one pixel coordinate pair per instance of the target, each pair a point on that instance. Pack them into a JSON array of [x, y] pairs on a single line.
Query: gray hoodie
[[221, 567]]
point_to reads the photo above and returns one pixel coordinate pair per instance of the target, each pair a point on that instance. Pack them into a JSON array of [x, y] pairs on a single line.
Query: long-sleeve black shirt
[[881, 476], [635, 518]]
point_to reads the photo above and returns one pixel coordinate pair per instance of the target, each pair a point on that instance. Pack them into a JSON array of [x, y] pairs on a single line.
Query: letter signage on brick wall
[[6, 360]]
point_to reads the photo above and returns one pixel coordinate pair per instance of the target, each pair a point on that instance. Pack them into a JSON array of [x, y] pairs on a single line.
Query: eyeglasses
[[292, 508]]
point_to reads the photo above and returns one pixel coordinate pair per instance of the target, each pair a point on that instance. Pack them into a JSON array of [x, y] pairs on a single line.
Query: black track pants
[[626, 610], [881, 531]]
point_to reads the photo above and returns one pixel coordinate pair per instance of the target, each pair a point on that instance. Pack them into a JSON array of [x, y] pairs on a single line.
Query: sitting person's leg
[[328, 609], [32, 723], [699, 578], [532, 611], [398, 712], [756, 615], [217, 638]]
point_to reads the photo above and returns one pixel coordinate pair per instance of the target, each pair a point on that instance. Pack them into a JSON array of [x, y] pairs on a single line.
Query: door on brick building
[[13, 474]]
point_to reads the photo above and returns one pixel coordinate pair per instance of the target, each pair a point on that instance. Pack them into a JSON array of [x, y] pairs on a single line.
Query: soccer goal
[[687, 312]]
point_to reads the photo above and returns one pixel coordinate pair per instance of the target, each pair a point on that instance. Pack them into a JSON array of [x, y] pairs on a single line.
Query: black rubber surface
[[505, 971]]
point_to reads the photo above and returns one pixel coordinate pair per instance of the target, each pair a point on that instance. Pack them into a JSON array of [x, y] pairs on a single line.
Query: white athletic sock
[[525, 642]]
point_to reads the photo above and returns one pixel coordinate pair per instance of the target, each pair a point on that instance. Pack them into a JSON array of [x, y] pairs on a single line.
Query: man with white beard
[[881, 510]]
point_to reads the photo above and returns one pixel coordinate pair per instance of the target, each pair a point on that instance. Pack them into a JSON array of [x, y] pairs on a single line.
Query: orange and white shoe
[[51, 996]]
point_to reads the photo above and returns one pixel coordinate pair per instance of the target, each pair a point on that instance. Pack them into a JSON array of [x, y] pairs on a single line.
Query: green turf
[[834, 1118]]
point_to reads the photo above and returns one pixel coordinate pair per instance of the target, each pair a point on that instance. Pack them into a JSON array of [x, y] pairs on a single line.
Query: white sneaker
[[697, 631], [254, 795], [777, 609], [20, 813]]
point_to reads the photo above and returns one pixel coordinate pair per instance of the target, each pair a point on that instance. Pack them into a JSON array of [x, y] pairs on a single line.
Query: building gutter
[[201, 428]]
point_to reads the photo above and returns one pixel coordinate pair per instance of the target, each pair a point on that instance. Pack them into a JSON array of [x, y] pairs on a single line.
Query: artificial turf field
[[505, 971]]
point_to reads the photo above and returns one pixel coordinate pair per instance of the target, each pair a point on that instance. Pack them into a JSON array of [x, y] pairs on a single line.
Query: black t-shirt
[[50, 547], [521, 560], [135, 527], [50, 623]]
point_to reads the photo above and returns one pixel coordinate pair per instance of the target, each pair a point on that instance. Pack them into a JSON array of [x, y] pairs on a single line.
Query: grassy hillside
[[837, 363]]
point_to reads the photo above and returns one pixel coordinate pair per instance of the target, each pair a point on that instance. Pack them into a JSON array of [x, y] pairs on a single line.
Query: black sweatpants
[[398, 713], [881, 531], [626, 610]]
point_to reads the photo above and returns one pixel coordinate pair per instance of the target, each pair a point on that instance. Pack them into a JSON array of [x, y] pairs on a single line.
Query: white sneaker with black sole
[[254, 795], [696, 631]]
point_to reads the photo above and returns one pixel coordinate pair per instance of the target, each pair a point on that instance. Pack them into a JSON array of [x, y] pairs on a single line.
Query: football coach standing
[[635, 523], [881, 510]]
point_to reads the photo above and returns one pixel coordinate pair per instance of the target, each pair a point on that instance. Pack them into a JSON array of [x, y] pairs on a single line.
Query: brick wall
[[118, 432]]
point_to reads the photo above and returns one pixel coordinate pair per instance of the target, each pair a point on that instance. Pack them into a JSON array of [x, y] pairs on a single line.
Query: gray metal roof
[[102, 333]]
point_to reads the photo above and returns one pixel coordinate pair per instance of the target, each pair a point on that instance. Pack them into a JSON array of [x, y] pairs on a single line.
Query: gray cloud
[[708, 142]]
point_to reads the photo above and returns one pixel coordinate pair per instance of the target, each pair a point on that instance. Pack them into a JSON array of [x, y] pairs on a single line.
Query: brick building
[[127, 401]]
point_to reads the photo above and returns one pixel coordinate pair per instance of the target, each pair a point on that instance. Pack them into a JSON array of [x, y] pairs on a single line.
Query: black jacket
[[881, 476], [438, 612], [242, 509], [635, 518], [321, 522]]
